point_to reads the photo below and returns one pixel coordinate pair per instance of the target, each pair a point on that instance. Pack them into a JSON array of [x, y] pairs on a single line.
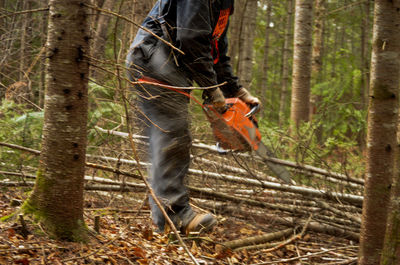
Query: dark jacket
[[196, 27]]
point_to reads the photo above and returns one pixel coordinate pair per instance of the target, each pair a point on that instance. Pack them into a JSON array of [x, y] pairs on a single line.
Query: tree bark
[[234, 32], [285, 64], [57, 198], [317, 52], [42, 67], [365, 7], [391, 248], [264, 73], [100, 35], [382, 126], [246, 39], [301, 63]]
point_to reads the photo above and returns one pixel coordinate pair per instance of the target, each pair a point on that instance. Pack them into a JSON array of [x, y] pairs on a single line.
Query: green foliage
[[104, 111], [338, 114], [22, 126]]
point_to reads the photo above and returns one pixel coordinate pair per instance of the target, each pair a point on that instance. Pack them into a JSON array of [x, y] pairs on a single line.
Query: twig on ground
[[304, 256], [94, 252], [293, 238]]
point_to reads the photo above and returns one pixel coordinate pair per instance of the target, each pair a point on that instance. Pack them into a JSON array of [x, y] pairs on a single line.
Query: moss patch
[[8, 217], [80, 234]]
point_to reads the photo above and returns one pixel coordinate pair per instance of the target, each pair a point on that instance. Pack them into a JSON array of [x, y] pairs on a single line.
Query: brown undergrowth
[[127, 236]]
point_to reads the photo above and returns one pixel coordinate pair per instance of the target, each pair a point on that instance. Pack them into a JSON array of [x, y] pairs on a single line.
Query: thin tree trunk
[[246, 39], [264, 74], [317, 60], [381, 135], [43, 34], [365, 8], [100, 36], [285, 64], [334, 52], [57, 198], [317, 51], [234, 32], [301, 63]]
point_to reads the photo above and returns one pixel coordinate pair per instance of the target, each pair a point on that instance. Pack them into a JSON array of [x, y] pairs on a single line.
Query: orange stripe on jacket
[[218, 31]]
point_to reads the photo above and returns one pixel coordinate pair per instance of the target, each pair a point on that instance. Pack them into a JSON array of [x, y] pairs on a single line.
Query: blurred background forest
[[261, 50]]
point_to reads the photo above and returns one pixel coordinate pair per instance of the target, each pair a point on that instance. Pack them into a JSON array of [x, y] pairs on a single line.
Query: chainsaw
[[237, 129]]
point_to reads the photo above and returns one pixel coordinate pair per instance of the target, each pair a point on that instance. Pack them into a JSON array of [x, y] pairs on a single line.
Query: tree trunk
[[100, 35], [57, 198], [285, 64], [334, 52], [391, 247], [234, 32], [382, 126], [264, 74], [365, 8], [317, 51], [246, 39], [42, 75], [301, 63], [316, 61], [25, 39]]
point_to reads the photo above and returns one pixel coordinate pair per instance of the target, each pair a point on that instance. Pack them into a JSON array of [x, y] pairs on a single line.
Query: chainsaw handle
[[253, 110]]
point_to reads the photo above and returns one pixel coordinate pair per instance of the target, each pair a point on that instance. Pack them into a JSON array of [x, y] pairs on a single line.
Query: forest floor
[[127, 237]]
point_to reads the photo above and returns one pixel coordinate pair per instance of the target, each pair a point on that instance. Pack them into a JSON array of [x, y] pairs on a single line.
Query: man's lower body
[[166, 121]]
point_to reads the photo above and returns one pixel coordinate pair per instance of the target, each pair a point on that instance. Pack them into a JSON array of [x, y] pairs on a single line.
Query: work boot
[[202, 222]]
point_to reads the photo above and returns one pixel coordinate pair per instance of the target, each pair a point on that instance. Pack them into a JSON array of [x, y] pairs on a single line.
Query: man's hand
[[217, 100], [246, 97]]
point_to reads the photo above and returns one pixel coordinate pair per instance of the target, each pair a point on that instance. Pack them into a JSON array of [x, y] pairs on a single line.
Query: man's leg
[[169, 146]]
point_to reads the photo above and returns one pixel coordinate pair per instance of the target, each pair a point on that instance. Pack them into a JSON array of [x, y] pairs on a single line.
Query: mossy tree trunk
[[57, 198], [382, 128], [391, 247]]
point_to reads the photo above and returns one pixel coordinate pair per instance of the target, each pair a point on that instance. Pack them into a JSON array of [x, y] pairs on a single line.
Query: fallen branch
[[293, 238], [288, 221], [335, 196], [355, 199], [137, 186], [308, 168], [87, 187], [326, 206], [258, 239]]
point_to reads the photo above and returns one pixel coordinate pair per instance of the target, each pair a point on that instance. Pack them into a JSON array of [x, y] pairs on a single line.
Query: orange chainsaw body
[[233, 130]]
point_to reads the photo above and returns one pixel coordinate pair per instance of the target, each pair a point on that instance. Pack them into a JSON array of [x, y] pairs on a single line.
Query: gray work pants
[[167, 125]]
